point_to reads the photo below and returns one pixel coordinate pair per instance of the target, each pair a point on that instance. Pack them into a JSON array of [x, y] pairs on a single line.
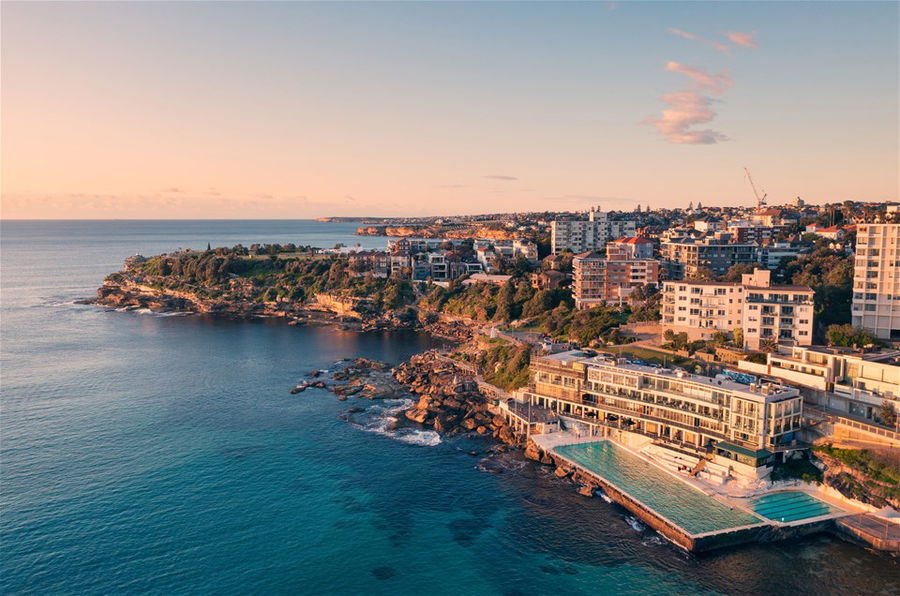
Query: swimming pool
[[680, 503], [791, 506]]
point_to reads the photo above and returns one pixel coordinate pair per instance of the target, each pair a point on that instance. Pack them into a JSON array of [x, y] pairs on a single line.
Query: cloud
[[747, 40], [713, 83], [719, 47], [688, 109], [499, 177]]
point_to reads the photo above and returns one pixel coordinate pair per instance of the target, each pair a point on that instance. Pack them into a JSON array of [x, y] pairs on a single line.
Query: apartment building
[[764, 312], [601, 280], [625, 249], [706, 415], [684, 258], [876, 280], [701, 308], [783, 314], [579, 235], [839, 379]]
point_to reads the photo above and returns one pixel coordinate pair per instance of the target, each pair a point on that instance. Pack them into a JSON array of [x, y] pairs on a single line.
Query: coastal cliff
[[436, 231]]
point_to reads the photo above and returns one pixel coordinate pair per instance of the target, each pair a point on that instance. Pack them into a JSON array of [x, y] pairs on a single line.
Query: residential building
[[781, 314], [876, 280], [625, 249], [600, 280], [839, 379], [686, 257], [736, 424], [771, 254], [579, 235], [764, 312], [701, 308], [548, 280]]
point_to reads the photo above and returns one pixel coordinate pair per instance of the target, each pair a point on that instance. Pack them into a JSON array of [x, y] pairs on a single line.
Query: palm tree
[[768, 345]]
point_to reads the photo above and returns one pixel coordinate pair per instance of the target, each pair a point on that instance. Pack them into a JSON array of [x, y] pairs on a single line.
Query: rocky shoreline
[[129, 295]]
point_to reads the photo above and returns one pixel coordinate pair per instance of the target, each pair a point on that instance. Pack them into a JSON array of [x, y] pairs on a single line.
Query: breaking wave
[[381, 418], [635, 524]]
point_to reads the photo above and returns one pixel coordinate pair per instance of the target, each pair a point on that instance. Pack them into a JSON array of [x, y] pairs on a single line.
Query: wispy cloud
[[718, 46], [747, 40], [500, 177], [688, 109], [714, 83]]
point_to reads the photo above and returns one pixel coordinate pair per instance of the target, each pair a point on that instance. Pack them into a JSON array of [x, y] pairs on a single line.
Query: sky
[[295, 110]]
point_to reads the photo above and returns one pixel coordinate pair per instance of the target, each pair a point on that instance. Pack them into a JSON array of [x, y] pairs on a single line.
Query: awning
[[758, 454]]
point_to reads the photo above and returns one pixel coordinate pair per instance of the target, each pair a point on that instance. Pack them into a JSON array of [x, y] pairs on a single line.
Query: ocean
[[142, 453]]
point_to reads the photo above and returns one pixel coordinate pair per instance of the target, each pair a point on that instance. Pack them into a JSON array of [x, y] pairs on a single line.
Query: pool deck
[[766, 530]]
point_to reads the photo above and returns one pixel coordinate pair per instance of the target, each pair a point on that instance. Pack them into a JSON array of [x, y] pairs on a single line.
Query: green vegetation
[[654, 356], [850, 337], [267, 274], [505, 364], [796, 469], [547, 311], [830, 274], [880, 469]]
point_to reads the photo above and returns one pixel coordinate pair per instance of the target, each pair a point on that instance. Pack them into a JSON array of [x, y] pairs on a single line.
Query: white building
[[764, 312], [780, 313], [700, 308], [839, 379], [876, 280], [579, 235]]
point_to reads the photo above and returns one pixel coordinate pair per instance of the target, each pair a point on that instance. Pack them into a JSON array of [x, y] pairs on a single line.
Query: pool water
[[678, 502], [791, 506]]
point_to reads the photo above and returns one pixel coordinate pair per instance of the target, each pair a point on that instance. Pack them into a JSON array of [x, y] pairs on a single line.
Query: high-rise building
[[876, 280], [580, 235]]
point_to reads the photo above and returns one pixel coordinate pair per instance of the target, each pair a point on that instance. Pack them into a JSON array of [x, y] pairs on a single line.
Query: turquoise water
[[152, 454], [686, 506], [791, 506]]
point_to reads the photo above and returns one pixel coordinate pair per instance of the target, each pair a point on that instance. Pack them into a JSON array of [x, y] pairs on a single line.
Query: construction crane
[[760, 200]]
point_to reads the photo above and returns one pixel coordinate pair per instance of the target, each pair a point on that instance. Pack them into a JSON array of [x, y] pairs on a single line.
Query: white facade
[[580, 235], [701, 308], [780, 313], [876, 280], [761, 310]]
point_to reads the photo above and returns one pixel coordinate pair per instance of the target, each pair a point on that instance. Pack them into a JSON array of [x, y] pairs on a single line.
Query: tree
[[887, 414], [738, 335], [849, 337], [768, 345], [735, 272], [702, 274]]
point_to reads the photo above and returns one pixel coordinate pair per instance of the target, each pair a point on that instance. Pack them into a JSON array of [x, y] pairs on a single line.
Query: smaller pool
[[791, 506]]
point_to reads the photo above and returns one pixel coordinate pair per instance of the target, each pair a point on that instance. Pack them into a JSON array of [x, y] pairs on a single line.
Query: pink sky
[[185, 110]]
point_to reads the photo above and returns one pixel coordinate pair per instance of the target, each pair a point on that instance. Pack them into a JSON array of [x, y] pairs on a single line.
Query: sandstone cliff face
[[131, 294], [856, 485], [437, 232]]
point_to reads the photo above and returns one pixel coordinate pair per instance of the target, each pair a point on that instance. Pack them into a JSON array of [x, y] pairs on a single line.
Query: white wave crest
[[380, 418], [635, 524]]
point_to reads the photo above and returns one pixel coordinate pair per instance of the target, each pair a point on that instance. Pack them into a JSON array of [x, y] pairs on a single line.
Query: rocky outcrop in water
[[362, 377], [449, 398], [588, 486]]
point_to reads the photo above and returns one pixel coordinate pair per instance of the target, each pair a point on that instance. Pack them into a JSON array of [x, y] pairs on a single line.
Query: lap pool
[[791, 506], [678, 502]]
